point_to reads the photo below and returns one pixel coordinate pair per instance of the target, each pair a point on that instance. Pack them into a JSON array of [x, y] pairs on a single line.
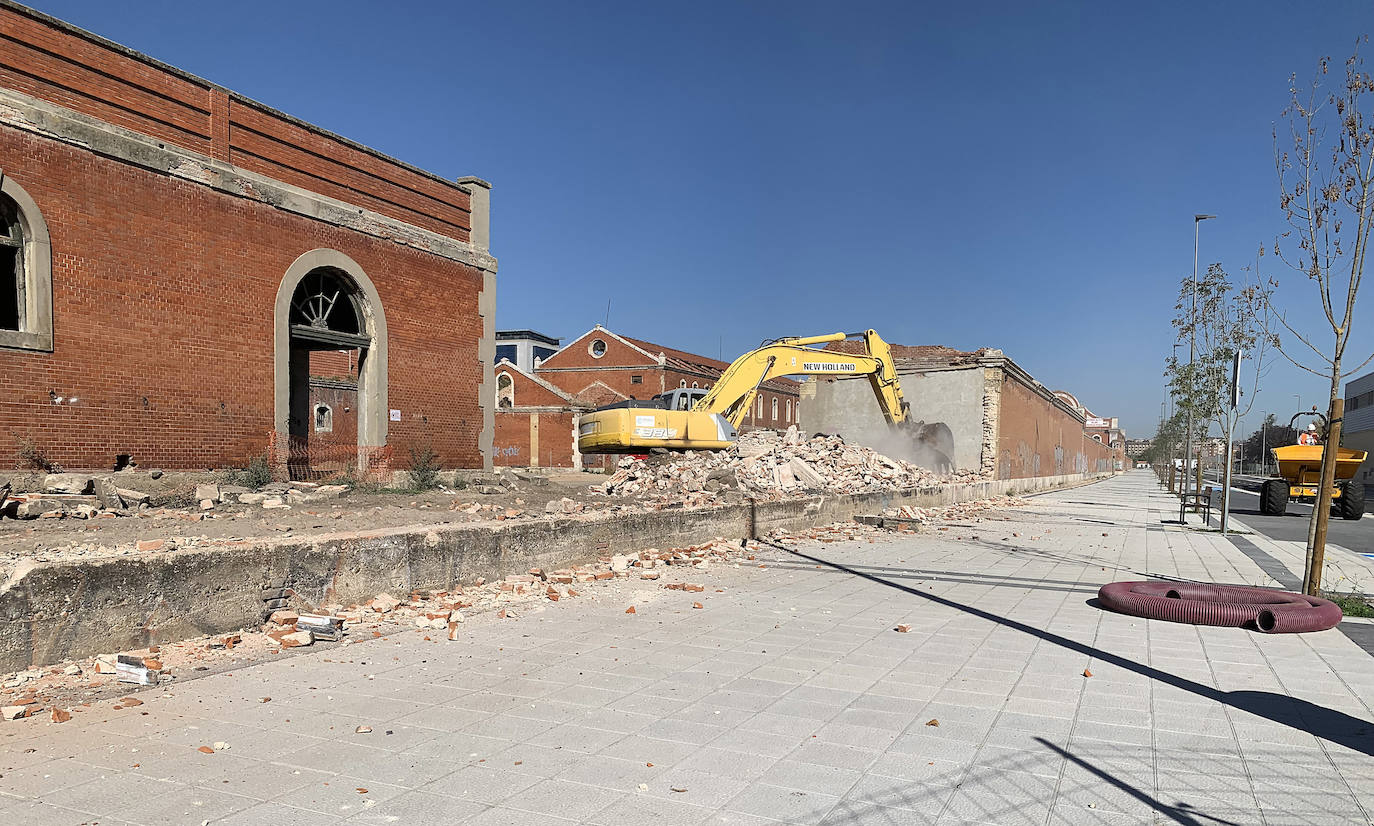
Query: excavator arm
[[739, 385]]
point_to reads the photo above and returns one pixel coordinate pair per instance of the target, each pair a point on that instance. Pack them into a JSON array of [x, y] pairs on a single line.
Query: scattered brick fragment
[[630, 610], [205, 750], [933, 722], [902, 629]]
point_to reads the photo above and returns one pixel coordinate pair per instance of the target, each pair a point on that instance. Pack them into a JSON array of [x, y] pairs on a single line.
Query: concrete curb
[[62, 610]]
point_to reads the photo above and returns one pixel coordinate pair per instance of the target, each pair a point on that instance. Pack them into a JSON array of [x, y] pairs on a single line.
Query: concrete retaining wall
[[50, 612]]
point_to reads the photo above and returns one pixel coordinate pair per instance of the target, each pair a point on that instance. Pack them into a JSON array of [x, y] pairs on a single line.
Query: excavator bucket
[[929, 445]]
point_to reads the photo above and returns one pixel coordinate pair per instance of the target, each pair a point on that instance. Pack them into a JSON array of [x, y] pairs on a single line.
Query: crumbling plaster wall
[[848, 408]]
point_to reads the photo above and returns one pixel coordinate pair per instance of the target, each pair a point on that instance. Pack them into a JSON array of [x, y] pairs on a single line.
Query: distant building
[[1135, 448], [600, 367], [524, 348], [536, 423], [1358, 429]]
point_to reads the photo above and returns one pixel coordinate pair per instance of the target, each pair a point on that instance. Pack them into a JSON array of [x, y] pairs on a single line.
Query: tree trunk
[[1321, 510], [1226, 477]]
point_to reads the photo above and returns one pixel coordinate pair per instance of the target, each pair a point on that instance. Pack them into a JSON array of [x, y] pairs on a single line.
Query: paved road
[[788, 698], [1354, 535]]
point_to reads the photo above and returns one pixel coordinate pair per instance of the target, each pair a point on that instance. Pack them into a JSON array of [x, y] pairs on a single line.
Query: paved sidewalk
[[789, 697]]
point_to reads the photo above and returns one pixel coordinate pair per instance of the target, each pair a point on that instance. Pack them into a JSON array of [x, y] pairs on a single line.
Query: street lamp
[[1264, 445], [1192, 355]]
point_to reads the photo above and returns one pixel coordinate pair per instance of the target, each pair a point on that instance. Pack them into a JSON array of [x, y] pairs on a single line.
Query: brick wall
[[334, 364], [163, 296], [343, 406], [1038, 438], [513, 442], [53, 61]]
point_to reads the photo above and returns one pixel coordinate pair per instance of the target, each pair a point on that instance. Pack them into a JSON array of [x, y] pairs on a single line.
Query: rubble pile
[[83, 496], [770, 465], [962, 510]]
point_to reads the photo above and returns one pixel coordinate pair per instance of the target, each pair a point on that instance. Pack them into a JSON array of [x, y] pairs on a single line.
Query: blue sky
[[973, 175]]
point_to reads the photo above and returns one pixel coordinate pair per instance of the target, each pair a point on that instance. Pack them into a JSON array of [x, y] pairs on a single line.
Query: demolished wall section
[[50, 612]]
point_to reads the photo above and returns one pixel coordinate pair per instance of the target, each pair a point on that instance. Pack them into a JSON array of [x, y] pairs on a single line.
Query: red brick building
[[600, 367], [536, 423], [183, 258]]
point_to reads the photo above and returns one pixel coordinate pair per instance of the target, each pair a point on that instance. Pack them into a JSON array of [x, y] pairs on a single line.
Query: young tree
[[1326, 192], [1166, 443], [1228, 321], [1270, 433]]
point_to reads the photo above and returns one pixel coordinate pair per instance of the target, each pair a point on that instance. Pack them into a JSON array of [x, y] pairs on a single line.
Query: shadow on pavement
[[1182, 813], [1328, 724]]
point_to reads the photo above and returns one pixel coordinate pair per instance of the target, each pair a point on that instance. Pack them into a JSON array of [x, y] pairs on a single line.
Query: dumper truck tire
[[1351, 503], [1274, 497]]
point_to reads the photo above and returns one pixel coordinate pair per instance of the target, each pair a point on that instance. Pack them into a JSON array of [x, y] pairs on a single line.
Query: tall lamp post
[[1192, 355], [1264, 445]]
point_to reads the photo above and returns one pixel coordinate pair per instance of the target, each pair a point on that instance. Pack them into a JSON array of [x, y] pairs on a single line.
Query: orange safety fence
[[316, 457]]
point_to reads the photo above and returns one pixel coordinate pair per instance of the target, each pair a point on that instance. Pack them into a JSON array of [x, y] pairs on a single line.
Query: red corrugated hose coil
[[1270, 611]]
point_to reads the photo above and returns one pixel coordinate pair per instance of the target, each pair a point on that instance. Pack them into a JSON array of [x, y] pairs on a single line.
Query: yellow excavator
[[699, 419]]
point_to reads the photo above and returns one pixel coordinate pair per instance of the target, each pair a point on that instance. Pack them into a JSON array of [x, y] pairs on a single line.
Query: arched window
[[775, 408], [694, 384], [682, 383], [25, 271], [324, 419], [505, 391], [758, 411], [789, 411]]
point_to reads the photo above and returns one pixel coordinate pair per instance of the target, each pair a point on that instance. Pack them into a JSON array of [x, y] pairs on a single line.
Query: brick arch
[[372, 389], [37, 255]]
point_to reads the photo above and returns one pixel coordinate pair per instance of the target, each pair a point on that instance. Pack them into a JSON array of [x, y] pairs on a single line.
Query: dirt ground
[[175, 517]]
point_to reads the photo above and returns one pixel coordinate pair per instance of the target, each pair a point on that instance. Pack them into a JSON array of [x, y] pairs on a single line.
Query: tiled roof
[[930, 353], [683, 360]]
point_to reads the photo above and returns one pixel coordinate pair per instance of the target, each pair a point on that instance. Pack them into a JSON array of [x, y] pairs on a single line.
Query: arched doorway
[[330, 352]]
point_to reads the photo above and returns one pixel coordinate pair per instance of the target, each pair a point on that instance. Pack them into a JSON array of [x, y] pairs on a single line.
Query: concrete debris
[[107, 493], [133, 669], [765, 464], [133, 498], [322, 627], [17, 712], [76, 483], [296, 638]]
